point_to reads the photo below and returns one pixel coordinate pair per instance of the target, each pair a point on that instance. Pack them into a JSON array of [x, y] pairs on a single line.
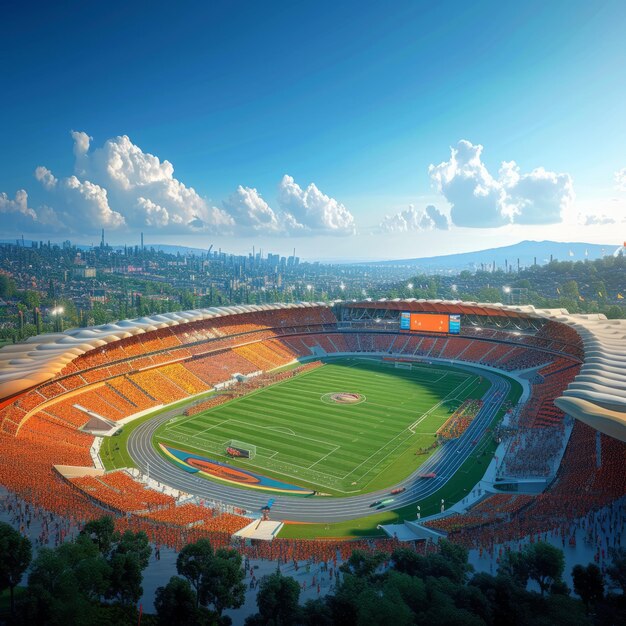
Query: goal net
[[240, 449], [403, 365]]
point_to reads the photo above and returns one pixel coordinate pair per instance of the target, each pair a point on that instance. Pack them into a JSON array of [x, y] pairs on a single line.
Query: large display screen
[[430, 322]]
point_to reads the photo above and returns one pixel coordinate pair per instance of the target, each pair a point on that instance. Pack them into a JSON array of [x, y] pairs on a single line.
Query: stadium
[[310, 426]]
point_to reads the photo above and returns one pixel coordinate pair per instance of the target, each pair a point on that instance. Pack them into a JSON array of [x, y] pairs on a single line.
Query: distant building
[[84, 272]]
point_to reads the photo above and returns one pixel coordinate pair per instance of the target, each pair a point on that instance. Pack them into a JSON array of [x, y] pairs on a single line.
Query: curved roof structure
[[597, 396], [41, 358]]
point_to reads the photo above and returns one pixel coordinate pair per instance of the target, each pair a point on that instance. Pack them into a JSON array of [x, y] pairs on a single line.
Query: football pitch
[[351, 426]]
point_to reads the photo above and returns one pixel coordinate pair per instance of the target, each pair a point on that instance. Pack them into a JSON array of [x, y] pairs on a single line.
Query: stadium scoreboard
[[448, 324]]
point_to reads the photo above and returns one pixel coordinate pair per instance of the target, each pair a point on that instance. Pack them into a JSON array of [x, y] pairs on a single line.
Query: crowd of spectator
[[118, 492], [41, 428], [459, 421]]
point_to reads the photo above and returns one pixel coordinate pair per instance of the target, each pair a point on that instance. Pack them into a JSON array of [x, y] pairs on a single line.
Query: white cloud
[[312, 210], [539, 197], [480, 200], [412, 220], [438, 220], [138, 182], [23, 218], [153, 214], [91, 202], [19, 205], [250, 211], [593, 220], [46, 178], [620, 179], [120, 185], [81, 142]]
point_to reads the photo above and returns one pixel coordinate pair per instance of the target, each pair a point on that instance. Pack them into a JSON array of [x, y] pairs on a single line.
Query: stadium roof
[[42, 357], [597, 396]]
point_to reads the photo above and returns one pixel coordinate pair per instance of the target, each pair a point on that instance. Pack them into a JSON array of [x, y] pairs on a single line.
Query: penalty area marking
[[279, 429], [455, 391]]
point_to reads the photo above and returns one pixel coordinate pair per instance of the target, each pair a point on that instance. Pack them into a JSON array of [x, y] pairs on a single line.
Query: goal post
[[240, 449], [403, 365]]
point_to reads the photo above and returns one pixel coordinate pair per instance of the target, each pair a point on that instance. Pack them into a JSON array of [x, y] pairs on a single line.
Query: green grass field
[[303, 437]]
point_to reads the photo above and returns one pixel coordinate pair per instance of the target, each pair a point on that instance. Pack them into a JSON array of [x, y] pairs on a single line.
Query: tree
[[128, 559], [490, 294], [55, 594], [569, 289], [277, 599], [176, 603], [7, 286], [408, 562], [316, 613], [126, 577], [546, 564], [617, 570], [362, 564], [588, 583], [88, 566], [30, 299], [387, 607], [411, 589], [344, 605], [506, 598], [15, 557], [193, 562], [101, 532], [514, 565], [222, 581], [457, 556]]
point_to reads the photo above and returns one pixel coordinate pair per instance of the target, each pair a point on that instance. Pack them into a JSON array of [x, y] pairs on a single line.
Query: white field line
[[279, 429], [392, 451], [175, 429], [455, 391], [247, 424], [375, 453], [326, 455], [450, 396]]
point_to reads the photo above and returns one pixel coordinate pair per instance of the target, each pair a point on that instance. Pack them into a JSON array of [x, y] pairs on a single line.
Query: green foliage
[[193, 562], [176, 603], [545, 564], [362, 564], [7, 286], [222, 585], [617, 570], [101, 532], [490, 294], [540, 562], [588, 583], [277, 600], [216, 577], [15, 557], [316, 613], [70, 584]]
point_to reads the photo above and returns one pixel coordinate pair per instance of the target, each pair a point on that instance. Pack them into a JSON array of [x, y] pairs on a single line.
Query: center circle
[[343, 397]]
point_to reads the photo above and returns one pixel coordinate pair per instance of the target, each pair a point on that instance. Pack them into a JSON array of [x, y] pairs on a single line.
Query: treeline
[[580, 287], [97, 578]]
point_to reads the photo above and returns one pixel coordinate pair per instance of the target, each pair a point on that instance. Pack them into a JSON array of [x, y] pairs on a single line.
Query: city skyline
[[379, 135]]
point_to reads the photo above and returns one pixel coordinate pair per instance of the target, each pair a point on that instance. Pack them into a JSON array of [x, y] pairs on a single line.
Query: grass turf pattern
[[340, 449]]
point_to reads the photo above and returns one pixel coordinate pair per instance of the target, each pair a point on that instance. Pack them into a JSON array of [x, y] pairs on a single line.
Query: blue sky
[[352, 101]]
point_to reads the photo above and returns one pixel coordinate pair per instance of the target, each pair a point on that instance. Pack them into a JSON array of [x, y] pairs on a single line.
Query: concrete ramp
[[259, 529], [410, 531]]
